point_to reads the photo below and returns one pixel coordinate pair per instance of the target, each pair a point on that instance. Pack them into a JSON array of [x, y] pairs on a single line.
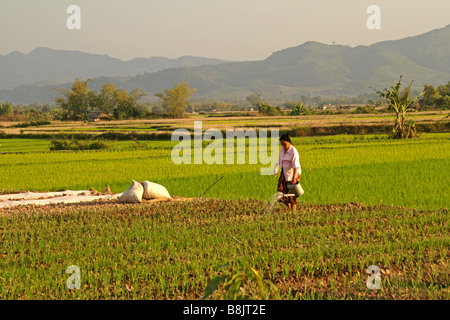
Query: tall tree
[[126, 106], [107, 97], [175, 100], [431, 94], [78, 101], [444, 90], [443, 101], [255, 99], [6, 109]]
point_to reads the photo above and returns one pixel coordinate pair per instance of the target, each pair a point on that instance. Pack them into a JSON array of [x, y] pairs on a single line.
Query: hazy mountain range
[[44, 64], [309, 69]]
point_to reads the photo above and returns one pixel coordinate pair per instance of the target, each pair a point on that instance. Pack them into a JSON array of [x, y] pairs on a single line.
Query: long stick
[[211, 186]]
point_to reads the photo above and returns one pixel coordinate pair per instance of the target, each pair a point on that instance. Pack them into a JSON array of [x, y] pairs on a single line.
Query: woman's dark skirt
[[282, 187]]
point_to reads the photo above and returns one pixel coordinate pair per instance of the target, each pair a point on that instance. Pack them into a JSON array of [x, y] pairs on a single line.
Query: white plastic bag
[[154, 191]]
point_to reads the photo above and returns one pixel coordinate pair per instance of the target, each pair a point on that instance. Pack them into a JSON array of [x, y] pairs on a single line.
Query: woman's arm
[[295, 179], [296, 166], [275, 169]]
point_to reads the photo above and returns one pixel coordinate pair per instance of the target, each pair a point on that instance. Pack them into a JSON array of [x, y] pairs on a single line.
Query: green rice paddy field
[[335, 169], [368, 201]]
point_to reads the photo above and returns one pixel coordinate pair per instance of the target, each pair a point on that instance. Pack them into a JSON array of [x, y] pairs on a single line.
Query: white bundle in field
[[154, 191], [133, 194]]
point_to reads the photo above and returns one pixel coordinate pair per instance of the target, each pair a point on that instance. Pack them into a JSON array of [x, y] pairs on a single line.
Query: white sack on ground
[[154, 191], [133, 194]]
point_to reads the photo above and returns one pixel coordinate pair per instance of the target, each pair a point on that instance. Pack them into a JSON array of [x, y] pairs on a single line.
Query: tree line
[[121, 104], [77, 102], [438, 98]]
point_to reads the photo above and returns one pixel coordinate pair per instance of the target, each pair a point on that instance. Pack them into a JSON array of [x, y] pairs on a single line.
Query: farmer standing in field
[[290, 170]]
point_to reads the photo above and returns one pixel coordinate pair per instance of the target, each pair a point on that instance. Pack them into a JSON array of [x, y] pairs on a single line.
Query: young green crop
[[170, 250], [339, 169]]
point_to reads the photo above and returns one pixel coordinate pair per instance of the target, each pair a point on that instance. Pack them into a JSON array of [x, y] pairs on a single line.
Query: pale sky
[[224, 29]]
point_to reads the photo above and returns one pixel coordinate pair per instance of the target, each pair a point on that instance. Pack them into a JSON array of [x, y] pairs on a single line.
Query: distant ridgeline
[[311, 69]]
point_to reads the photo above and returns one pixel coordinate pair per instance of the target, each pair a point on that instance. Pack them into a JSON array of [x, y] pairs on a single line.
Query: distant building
[[96, 116]]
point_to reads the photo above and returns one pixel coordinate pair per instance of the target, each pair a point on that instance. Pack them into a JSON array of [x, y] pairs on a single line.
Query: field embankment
[[161, 129]]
